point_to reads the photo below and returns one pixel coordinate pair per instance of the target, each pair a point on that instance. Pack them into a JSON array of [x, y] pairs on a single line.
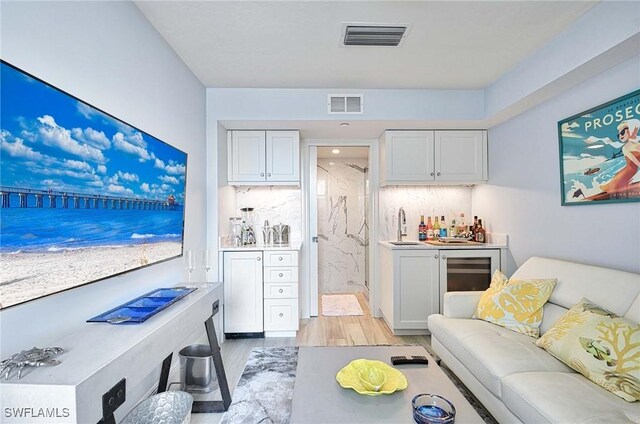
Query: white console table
[[100, 355]]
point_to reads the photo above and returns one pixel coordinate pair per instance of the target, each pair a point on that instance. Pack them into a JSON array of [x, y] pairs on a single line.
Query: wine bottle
[[462, 227], [422, 230], [429, 229], [443, 227], [436, 229], [453, 229], [480, 233]]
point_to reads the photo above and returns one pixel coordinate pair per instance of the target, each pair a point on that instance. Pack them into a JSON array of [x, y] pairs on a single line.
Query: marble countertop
[[291, 246], [496, 241]]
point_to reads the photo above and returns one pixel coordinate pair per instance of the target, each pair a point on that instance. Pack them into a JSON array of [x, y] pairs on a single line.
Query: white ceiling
[[296, 44]]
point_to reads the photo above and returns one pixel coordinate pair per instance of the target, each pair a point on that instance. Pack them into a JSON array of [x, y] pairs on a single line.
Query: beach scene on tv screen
[[85, 196]]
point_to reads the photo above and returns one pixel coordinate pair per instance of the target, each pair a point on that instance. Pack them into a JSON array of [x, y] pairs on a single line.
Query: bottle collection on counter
[[432, 231]]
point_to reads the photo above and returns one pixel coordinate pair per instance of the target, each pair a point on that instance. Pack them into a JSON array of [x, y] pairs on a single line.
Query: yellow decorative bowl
[[363, 375]]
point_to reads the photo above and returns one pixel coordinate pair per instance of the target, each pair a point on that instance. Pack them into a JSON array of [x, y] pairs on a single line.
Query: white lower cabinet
[[243, 285], [409, 289], [261, 292], [281, 293]]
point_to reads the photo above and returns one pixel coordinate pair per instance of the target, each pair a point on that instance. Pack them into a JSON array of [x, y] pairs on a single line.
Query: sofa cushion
[[515, 304], [602, 346], [491, 352], [558, 397], [552, 313]]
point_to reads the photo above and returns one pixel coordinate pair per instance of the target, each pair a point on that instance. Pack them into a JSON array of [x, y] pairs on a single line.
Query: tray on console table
[[142, 308]]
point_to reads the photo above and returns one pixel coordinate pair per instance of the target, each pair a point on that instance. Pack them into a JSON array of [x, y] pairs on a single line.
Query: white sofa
[[519, 382]]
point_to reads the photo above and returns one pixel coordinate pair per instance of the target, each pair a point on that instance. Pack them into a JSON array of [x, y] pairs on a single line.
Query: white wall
[[522, 197], [107, 54]]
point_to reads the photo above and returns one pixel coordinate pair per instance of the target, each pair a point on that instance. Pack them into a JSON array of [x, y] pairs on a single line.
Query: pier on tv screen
[[85, 196]]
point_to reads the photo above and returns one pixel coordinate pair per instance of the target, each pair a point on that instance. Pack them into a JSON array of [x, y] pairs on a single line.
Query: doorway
[[342, 204]]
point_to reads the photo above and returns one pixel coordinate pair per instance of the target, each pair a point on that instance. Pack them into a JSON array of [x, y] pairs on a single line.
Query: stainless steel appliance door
[[466, 270]]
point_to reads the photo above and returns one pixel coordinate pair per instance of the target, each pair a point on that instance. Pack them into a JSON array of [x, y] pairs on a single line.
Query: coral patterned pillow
[[515, 304], [600, 345]]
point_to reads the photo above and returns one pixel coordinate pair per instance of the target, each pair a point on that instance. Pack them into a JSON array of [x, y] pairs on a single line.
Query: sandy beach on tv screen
[[26, 276]]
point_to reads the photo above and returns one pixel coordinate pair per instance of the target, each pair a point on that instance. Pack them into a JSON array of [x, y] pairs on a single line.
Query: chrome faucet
[[402, 224]]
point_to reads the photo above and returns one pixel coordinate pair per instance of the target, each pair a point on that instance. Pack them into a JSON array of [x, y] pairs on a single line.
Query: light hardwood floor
[[321, 331]]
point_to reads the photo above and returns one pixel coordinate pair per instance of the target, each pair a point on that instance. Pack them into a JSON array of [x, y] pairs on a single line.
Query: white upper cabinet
[[264, 157], [461, 155], [433, 157], [407, 156], [283, 156], [247, 156]]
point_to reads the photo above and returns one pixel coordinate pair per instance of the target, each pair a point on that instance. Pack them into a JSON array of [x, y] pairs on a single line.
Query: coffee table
[[318, 398]]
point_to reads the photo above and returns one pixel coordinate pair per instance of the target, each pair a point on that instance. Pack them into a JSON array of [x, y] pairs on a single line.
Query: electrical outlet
[[114, 398], [216, 307]]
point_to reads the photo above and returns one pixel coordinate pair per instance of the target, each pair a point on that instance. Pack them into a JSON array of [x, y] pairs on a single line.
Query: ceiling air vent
[[345, 103], [373, 35]]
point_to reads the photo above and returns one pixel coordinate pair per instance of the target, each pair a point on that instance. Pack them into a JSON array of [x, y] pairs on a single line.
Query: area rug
[[265, 389], [338, 305]]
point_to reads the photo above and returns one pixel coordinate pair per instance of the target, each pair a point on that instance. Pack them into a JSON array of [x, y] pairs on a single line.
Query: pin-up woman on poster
[[627, 134]]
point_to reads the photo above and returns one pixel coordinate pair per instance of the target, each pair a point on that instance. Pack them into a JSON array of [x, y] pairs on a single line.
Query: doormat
[[265, 390], [338, 305]]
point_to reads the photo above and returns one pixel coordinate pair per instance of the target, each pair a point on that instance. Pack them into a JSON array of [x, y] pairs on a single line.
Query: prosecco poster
[[600, 153]]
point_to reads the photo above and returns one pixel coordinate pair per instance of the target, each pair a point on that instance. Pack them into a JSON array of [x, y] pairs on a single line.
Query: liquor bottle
[[480, 232], [443, 227], [475, 225], [436, 229], [453, 228], [429, 229], [422, 230], [462, 227]]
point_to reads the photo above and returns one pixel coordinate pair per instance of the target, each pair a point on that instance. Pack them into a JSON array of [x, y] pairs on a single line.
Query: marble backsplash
[[276, 204], [342, 225], [420, 200]]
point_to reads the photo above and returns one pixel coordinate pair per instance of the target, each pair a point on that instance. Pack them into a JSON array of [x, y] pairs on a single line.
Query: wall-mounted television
[[85, 196]]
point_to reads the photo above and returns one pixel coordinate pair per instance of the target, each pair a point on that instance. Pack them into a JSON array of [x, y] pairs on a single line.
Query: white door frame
[[309, 292]]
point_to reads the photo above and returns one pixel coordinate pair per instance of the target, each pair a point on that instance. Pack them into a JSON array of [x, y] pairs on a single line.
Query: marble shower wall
[[342, 229], [420, 200], [277, 204]]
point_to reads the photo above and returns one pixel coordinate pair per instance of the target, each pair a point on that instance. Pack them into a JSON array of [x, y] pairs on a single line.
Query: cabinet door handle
[[262, 174], [280, 275], [436, 256], [438, 174], [280, 314], [444, 257], [280, 291], [268, 174], [432, 174], [280, 258], [259, 258]]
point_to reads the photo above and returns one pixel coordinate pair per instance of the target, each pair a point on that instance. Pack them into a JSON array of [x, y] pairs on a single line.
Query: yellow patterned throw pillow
[[515, 304], [600, 345]]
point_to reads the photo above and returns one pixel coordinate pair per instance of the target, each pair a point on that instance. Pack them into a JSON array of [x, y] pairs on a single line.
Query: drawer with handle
[[280, 290], [281, 274], [281, 258], [280, 314]]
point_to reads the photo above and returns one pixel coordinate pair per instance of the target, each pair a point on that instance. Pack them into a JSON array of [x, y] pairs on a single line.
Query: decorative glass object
[[172, 407], [432, 409]]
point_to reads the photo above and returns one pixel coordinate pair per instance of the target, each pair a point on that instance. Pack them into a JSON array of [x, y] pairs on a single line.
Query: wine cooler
[[466, 270]]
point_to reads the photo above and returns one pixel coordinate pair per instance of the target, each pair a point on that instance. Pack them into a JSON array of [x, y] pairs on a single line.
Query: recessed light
[[335, 151], [331, 163], [344, 124]]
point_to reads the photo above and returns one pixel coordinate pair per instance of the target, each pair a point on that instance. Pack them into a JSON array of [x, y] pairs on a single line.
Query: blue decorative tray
[[144, 307]]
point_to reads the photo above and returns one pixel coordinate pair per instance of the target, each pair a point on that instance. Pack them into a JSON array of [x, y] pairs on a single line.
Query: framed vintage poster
[[600, 153]]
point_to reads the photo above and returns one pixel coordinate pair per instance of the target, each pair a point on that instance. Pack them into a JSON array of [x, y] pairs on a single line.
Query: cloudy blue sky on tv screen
[[52, 141]]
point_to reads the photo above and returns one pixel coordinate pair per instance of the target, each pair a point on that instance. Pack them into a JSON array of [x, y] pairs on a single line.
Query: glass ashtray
[[432, 409]]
